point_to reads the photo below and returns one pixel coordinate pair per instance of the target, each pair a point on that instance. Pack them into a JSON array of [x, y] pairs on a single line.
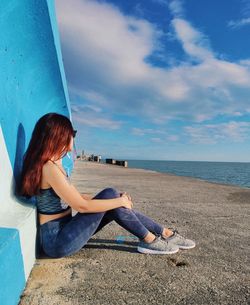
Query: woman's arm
[[87, 196], [54, 177]]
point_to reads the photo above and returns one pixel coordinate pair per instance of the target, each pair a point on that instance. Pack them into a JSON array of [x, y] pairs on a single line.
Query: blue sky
[[159, 79]]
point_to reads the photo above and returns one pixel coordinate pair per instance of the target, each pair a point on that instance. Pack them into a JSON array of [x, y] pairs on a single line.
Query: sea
[[233, 173]]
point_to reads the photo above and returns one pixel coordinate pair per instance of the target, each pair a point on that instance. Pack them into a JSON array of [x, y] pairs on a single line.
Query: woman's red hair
[[51, 137]]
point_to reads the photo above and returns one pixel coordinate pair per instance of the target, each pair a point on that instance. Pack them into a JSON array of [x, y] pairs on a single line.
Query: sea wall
[[32, 83]]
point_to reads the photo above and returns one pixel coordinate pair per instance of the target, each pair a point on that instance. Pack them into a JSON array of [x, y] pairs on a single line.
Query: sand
[[217, 271]]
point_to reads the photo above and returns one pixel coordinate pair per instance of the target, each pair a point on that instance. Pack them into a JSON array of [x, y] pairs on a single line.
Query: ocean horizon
[[232, 173]]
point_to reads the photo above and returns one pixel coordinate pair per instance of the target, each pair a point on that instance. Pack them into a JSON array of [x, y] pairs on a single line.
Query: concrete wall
[[32, 83]]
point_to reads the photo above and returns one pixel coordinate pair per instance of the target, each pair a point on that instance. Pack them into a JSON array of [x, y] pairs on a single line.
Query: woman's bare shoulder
[[49, 168]]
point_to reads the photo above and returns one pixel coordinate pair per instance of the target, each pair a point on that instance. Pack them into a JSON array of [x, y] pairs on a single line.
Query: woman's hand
[[127, 202], [125, 193]]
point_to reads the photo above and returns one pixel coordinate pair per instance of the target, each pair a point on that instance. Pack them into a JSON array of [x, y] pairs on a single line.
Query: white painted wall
[[15, 214]]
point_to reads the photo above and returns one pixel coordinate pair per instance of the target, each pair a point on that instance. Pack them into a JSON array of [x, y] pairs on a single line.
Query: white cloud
[[156, 140], [245, 7], [245, 14], [193, 42], [176, 7], [91, 116], [173, 138], [159, 136], [106, 38], [104, 53], [245, 62], [235, 24], [216, 133], [146, 131], [97, 122], [94, 108], [138, 132]]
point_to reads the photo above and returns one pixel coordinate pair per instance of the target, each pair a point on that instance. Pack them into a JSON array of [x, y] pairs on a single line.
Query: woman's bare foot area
[[151, 237], [166, 232]]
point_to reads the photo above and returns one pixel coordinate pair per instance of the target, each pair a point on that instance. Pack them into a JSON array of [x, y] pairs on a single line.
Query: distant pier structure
[[97, 158], [117, 162], [110, 161], [91, 157]]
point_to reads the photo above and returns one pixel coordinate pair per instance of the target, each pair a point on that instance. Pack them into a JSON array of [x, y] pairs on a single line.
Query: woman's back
[[49, 203]]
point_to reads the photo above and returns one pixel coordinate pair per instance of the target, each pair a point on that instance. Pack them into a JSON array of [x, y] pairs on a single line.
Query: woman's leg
[[73, 235], [150, 224], [61, 237], [124, 217], [153, 226]]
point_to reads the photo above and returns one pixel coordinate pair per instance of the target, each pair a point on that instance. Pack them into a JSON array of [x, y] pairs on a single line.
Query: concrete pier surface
[[217, 271]]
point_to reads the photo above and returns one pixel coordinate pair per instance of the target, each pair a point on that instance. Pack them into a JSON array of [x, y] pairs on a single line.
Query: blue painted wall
[[32, 83], [11, 271], [32, 76]]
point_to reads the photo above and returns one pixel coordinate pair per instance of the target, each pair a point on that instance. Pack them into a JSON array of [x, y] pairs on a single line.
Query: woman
[[61, 233]]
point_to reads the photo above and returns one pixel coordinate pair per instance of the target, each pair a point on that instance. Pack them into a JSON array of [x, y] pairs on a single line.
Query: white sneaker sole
[[187, 247], [149, 251]]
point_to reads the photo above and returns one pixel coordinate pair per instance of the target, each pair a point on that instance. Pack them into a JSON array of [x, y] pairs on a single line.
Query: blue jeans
[[67, 235]]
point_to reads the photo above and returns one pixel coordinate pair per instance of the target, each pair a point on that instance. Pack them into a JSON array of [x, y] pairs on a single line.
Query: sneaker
[[180, 241], [157, 246]]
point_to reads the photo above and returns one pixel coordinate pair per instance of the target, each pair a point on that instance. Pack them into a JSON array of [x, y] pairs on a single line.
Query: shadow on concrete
[[106, 244], [112, 241], [121, 248]]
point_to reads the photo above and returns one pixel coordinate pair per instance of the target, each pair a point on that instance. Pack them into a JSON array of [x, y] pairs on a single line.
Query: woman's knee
[[123, 213], [110, 193]]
